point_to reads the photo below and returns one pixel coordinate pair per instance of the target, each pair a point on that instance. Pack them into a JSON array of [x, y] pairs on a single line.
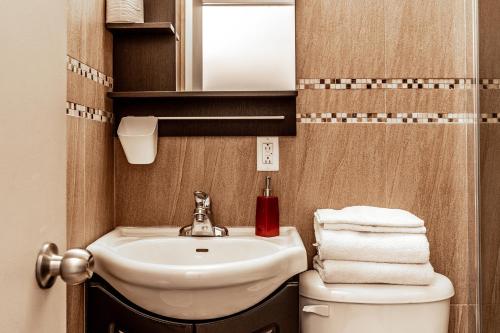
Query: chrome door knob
[[75, 266]]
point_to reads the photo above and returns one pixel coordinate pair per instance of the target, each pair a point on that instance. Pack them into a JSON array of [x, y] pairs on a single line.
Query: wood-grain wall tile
[[490, 318], [162, 193], [337, 166], [75, 309], [348, 101], [87, 92], [427, 101], [489, 39], [75, 179], [99, 182], [490, 101], [232, 179], [90, 144], [340, 38], [90, 183], [425, 175], [88, 39], [425, 39], [324, 166], [155, 194], [490, 212], [470, 8], [462, 319]]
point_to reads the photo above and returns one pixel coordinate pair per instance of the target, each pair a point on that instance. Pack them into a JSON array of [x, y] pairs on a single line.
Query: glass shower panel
[[489, 163]]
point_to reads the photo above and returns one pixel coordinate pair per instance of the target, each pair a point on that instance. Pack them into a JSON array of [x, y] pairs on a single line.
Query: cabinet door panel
[[108, 314], [279, 313]]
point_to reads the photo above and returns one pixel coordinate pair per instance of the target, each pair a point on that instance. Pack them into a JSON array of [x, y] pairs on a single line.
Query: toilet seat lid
[[311, 286]]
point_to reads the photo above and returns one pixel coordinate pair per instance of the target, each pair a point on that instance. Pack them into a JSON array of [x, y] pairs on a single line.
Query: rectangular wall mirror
[[237, 45]]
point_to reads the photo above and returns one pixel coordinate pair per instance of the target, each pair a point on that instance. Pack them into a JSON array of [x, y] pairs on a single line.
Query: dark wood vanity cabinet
[[109, 312], [278, 313]]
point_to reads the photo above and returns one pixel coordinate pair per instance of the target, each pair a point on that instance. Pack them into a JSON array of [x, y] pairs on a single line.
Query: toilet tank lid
[[311, 286]]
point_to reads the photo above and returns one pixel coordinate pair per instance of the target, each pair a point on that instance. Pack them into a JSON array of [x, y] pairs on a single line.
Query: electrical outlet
[[268, 154]]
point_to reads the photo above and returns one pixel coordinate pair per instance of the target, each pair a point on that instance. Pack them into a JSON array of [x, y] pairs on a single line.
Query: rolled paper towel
[[124, 11], [339, 271], [373, 247], [369, 216]]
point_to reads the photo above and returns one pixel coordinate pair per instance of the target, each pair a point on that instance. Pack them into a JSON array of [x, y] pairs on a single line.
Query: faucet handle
[[201, 199]]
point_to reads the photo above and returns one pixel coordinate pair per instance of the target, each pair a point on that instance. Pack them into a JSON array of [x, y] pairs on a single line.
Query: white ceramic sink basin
[[197, 277]]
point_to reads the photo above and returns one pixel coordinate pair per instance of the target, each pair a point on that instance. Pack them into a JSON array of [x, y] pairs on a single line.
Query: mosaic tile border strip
[[82, 111], [403, 83], [388, 118], [490, 118], [408, 83], [88, 72], [489, 84]]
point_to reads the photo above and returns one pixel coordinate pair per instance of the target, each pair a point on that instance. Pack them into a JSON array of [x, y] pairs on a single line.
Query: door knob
[[75, 266]]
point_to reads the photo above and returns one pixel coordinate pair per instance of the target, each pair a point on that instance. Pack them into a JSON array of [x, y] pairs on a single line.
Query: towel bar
[[225, 118]]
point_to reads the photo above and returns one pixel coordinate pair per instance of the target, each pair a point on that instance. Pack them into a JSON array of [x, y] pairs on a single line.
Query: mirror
[[237, 45]]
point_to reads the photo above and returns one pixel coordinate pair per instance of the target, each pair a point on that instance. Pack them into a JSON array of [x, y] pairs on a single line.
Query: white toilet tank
[[374, 308]]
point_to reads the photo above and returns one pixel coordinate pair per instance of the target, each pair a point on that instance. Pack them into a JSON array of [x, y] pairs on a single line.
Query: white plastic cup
[[139, 139]]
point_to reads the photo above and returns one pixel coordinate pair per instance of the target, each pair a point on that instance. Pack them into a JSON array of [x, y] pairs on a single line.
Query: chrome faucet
[[202, 225]]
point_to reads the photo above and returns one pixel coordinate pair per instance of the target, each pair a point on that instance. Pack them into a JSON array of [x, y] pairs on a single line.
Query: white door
[[32, 160]]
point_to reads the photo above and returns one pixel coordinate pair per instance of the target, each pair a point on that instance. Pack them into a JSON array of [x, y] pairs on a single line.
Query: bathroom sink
[[197, 277]]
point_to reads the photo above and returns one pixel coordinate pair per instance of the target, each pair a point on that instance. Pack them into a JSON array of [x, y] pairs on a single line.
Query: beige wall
[[32, 160]]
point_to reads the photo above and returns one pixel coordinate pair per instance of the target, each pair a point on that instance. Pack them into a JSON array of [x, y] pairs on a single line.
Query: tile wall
[[90, 174], [385, 99], [384, 140], [489, 67]]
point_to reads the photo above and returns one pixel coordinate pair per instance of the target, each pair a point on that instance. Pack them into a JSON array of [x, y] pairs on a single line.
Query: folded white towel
[[369, 216], [338, 271], [374, 247], [369, 228]]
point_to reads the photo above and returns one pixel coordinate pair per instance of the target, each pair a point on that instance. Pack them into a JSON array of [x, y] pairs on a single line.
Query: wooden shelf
[[200, 94], [145, 79], [212, 113], [157, 27]]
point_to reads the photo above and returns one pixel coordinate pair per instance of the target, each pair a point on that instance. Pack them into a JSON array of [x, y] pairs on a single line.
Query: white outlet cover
[[274, 155]]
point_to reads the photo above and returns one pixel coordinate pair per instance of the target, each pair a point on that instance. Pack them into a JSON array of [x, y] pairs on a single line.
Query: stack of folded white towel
[[362, 244]]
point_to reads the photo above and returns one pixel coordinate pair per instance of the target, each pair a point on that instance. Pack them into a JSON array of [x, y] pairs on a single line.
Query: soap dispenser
[[267, 217]]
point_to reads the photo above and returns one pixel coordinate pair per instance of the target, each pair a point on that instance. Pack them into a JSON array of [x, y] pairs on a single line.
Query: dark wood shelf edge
[[201, 94], [166, 27], [212, 104]]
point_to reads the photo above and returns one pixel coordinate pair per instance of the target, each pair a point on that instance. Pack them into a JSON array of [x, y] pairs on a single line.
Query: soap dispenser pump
[[267, 215]]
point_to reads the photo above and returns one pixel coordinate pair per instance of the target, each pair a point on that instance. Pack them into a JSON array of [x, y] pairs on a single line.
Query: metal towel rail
[[224, 118]]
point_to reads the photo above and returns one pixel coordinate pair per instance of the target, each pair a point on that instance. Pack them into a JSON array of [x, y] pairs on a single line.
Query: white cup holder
[[139, 139]]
